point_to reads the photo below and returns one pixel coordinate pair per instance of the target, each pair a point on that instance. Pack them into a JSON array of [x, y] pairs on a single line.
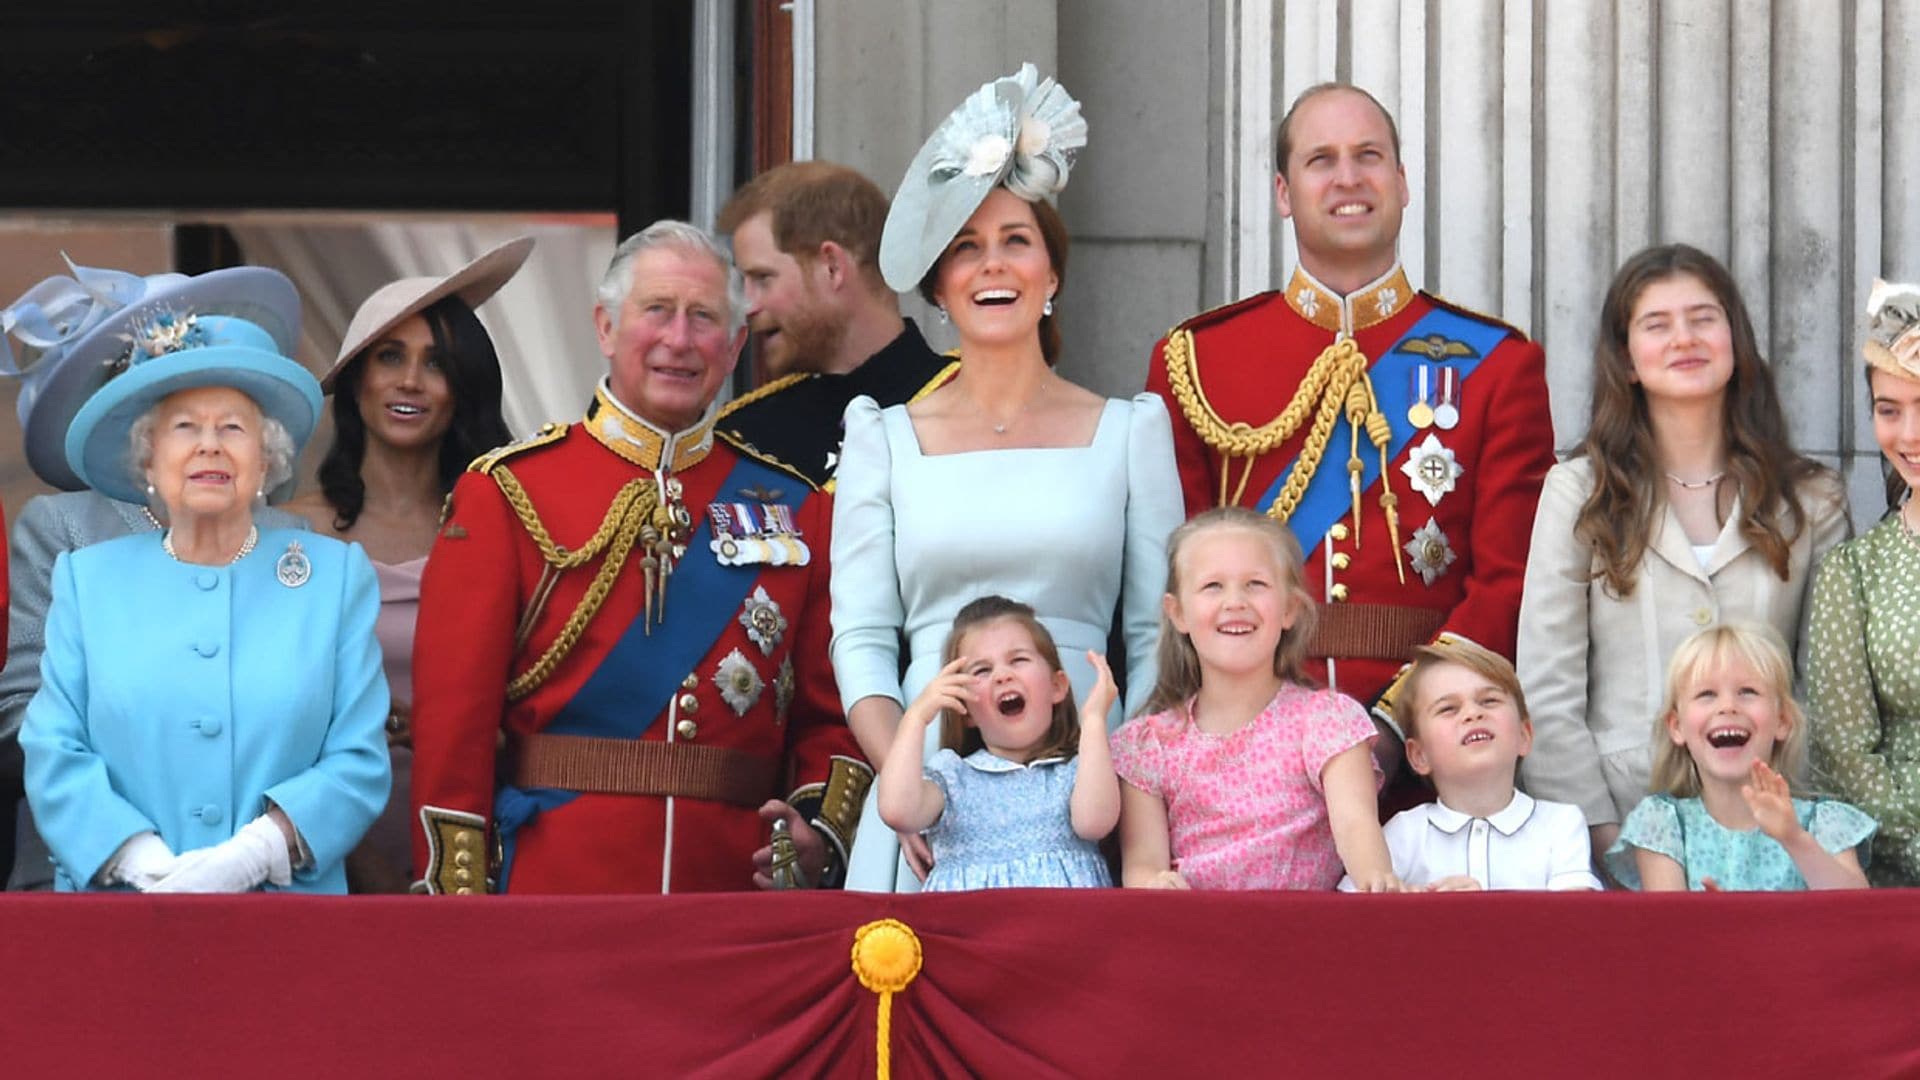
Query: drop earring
[[944, 318], [1047, 308]]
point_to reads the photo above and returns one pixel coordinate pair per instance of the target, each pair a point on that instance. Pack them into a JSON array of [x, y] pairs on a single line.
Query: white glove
[[141, 861], [254, 856]]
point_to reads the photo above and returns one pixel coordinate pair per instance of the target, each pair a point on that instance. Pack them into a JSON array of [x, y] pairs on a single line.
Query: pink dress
[[1245, 810], [380, 863]]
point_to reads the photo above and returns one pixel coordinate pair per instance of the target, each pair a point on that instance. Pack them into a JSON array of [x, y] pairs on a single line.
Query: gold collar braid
[[1336, 384], [635, 440]]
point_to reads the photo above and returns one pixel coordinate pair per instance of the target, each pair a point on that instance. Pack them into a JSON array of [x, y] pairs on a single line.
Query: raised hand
[[949, 691], [1100, 699], [1770, 801]]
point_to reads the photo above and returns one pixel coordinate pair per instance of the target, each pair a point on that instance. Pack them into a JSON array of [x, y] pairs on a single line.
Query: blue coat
[[181, 698]]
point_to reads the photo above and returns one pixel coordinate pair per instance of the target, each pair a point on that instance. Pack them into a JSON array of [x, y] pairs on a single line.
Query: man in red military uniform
[[1403, 439], [621, 661]]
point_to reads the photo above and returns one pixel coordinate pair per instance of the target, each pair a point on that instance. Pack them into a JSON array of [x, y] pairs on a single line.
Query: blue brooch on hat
[[1020, 132]]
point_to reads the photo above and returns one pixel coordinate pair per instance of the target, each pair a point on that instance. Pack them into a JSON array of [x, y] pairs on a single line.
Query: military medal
[[292, 568], [763, 620], [739, 683], [1433, 469], [1446, 415], [756, 533], [1431, 552], [1420, 413]]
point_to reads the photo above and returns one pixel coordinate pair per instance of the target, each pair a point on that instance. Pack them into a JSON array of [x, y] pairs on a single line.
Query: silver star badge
[[740, 684], [763, 620], [1433, 469], [1431, 552]]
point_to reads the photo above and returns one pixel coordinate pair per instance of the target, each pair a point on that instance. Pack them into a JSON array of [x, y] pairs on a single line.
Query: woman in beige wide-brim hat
[[1863, 631], [416, 397]]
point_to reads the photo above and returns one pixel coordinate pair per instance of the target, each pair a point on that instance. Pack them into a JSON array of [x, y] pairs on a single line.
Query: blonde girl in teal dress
[[1722, 814], [1863, 658]]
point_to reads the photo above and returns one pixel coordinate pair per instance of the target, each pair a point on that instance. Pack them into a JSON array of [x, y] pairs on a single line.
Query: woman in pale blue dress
[[1008, 478]]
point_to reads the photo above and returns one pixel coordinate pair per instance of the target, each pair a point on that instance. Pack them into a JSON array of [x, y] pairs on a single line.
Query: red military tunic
[[730, 686], [1247, 360]]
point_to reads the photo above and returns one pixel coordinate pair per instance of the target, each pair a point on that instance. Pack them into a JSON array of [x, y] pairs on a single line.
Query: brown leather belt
[[1374, 631], [643, 767]]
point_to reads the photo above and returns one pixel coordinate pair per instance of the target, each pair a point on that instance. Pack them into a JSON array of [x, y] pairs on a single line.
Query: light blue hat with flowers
[[65, 337], [1020, 132], [177, 348]]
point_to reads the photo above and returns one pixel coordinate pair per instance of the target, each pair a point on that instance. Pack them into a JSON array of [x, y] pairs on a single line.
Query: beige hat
[[391, 304]]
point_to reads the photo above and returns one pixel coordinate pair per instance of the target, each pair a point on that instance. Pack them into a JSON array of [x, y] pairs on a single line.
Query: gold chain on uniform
[[631, 508], [1336, 383]]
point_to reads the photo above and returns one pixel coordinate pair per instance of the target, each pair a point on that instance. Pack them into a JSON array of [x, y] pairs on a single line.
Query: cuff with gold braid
[[833, 809], [456, 853]]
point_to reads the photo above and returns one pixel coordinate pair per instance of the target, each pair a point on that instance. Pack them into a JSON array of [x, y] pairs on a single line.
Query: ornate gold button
[[463, 858], [463, 891], [464, 877], [687, 729], [463, 839], [1338, 593], [690, 682], [1342, 560], [1338, 531], [689, 703]]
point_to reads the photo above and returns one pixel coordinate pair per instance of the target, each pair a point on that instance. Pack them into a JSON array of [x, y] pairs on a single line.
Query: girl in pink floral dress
[[1239, 775]]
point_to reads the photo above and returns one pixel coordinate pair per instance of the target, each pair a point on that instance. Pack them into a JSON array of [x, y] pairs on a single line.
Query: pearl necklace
[[246, 546], [1698, 485]]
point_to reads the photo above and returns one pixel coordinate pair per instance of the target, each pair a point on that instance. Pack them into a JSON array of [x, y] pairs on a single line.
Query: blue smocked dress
[[1682, 830], [1073, 531], [1008, 826]]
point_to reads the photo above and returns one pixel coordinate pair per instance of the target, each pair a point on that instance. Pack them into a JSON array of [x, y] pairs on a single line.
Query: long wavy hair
[[1179, 662], [1617, 519], [472, 368]]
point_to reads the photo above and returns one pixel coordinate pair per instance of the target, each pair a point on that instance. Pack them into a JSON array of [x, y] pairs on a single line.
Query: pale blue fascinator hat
[[182, 346], [65, 337], [1020, 132]]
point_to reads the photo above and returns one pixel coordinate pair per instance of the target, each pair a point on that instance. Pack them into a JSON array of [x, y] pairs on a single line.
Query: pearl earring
[[944, 318], [149, 491], [1047, 308]]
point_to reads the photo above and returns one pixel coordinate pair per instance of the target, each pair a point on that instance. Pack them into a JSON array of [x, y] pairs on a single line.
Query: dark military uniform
[[796, 419], [615, 712]]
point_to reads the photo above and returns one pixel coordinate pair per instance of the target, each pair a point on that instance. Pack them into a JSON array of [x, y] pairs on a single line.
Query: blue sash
[[1328, 495], [630, 688]]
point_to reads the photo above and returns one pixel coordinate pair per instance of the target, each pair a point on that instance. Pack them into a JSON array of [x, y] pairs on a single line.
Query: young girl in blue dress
[[1023, 789], [1722, 815]]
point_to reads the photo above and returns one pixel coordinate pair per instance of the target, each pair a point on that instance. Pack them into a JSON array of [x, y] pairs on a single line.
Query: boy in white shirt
[[1466, 729]]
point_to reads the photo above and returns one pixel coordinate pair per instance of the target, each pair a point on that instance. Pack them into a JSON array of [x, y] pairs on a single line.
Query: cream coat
[[1594, 666]]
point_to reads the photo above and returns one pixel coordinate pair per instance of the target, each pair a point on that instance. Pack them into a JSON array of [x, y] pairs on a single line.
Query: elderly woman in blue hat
[[1007, 479], [212, 706], [57, 339]]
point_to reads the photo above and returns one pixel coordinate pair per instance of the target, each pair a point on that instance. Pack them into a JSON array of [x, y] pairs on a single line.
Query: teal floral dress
[[1682, 830], [1863, 688]]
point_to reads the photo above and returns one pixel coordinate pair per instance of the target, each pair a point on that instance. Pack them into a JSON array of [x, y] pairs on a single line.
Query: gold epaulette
[[941, 377], [1477, 316], [768, 390], [1225, 311], [739, 442], [550, 432]]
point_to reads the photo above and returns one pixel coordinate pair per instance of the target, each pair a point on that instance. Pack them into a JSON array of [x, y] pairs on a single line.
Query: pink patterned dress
[[1245, 810]]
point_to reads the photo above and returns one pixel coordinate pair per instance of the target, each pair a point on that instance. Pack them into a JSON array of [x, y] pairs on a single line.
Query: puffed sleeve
[[1845, 712], [80, 815], [1551, 657], [867, 611], [1335, 724], [1839, 827], [1570, 851], [332, 802], [944, 771], [37, 538], [1137, 754], [1154, 509], [1653, 826]]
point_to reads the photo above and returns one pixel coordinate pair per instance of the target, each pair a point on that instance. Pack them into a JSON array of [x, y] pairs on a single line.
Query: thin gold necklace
[[1001, 427]]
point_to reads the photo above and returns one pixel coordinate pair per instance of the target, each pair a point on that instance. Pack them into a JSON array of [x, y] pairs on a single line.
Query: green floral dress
[[1863, 688]]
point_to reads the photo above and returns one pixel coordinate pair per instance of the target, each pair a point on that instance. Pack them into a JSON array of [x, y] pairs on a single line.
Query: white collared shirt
[[1530, 844]]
